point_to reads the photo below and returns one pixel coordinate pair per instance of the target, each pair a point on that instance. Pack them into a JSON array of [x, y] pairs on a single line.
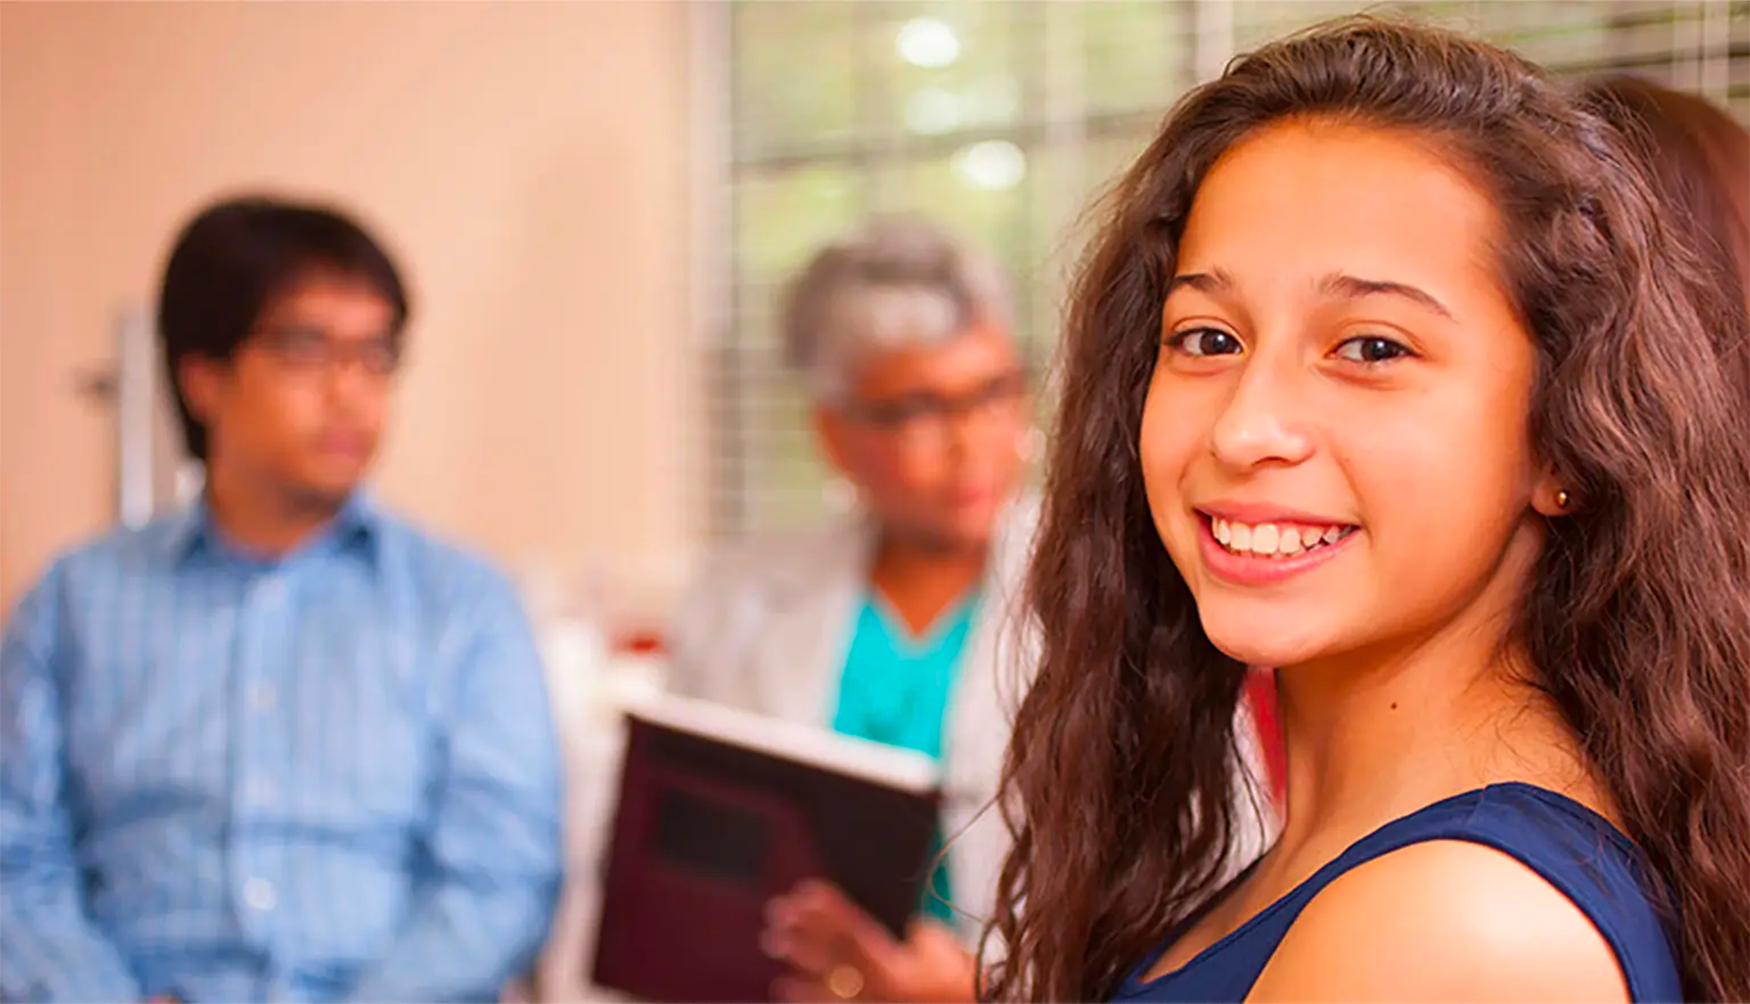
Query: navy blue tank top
[[1573, 848]]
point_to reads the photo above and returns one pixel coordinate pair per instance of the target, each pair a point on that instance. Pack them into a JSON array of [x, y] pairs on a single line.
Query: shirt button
[[259, 894], [263, 698]]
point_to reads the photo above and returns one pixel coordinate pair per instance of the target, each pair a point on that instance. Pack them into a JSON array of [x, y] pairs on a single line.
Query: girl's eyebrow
[[1336, 284]]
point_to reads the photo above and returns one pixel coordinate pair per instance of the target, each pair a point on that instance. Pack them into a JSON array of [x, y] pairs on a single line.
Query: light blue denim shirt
[[329, 776]]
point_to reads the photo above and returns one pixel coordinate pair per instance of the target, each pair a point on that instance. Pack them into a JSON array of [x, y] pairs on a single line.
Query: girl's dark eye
[[1371, 349], [1206, 342]]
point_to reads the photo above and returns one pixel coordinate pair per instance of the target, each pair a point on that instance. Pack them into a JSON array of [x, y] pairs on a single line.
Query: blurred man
[[282, 746]]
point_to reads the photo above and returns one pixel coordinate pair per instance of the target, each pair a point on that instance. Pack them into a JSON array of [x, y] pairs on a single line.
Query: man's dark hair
[[234, 258]]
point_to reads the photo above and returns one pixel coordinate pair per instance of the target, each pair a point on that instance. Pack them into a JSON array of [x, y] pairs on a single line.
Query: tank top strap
[[1576, 850], [1580, 853]]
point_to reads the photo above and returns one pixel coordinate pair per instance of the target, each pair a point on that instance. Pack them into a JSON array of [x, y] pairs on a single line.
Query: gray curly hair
[[897, 282]]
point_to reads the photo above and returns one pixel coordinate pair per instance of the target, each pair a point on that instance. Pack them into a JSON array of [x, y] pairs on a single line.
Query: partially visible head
[[282, 326], [1394, 291], [1697, 155], [919, 392]]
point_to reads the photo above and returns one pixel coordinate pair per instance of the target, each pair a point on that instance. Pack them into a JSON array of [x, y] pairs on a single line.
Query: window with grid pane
[[1001, 119]]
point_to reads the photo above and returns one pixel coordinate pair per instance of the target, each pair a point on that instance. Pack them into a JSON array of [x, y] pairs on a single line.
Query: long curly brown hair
[[1118, 782], [1697, 155]]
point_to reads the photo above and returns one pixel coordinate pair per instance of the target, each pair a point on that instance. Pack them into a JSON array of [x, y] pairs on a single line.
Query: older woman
[[890, 624]]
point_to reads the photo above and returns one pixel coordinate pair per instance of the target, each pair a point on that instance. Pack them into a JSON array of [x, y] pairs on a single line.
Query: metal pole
[[136, 419]]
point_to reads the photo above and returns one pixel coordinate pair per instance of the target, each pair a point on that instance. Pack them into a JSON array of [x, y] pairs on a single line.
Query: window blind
[[1001, 119]]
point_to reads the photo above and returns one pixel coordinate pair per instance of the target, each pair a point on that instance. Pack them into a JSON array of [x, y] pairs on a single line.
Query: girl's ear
[[1549, 498]]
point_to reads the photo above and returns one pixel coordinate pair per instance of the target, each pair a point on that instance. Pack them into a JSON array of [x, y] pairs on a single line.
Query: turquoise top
[[895, 689]]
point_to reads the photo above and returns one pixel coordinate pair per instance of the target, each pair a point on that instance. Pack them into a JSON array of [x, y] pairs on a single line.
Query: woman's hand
[[838, 952]]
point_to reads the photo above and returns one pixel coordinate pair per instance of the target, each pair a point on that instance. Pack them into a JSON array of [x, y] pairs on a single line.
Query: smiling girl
[[1385, 371]]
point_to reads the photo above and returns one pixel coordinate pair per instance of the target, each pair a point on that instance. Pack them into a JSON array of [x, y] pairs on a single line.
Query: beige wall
[[527, 161]]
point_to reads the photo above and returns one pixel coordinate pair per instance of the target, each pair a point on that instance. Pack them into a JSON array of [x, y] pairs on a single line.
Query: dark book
[[721, 810]]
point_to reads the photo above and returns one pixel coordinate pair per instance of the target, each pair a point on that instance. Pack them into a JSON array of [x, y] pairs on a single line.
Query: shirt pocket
[[146, 711]]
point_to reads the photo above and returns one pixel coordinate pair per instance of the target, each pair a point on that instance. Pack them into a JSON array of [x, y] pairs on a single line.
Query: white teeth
[[1290, 542], [1267, 540]]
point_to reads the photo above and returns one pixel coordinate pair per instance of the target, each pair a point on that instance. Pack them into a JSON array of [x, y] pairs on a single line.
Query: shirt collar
[[358, 524]]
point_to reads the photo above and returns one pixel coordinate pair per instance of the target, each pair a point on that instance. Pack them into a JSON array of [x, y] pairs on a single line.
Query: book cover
[[720, 811]]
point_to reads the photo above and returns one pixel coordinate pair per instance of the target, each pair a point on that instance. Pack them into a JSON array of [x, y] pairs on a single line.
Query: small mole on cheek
[[1394, 705]]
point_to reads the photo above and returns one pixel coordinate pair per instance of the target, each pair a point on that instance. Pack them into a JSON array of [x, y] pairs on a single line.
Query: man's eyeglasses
[[308, 349]]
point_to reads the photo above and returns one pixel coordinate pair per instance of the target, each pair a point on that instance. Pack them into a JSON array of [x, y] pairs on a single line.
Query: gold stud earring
[[1562, 498]]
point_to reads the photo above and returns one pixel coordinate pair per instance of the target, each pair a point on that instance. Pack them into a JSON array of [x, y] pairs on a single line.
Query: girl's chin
[[1244, 644]]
